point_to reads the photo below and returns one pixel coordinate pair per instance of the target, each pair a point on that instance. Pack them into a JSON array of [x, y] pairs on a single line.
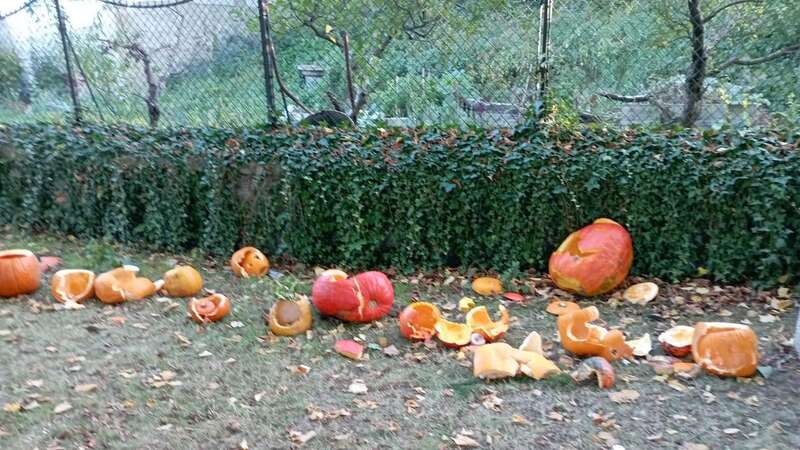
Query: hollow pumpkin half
[[289, 318], [582, 338], [479, 321], [72, 285], [418, 321], [453, 334], [209, 309], [725, 349], [249, 262], [123, 284]]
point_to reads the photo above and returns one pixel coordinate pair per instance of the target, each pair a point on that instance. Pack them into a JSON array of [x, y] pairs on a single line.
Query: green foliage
[[722, 200], [10, 75]]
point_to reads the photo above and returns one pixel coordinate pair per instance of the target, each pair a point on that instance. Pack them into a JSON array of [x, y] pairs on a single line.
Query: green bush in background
[[726, 201]]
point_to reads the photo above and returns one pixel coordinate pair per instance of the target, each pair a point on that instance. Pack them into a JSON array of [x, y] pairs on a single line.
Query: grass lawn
[[142, 375]]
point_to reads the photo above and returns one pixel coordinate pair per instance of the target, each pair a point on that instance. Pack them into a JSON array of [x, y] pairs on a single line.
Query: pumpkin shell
[[249, 262], [122, 284], [453, 334], [677, 341], [594, 259], [209, 309], [479, 321], [365, 297], [72, 285], [182, 281], [725, 349], [585, 339], [292, 323], [487, 286], [418, 321], [20, 273], [494, 361]]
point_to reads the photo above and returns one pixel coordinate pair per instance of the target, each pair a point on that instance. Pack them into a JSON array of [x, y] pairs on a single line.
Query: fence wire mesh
[[412, 62]]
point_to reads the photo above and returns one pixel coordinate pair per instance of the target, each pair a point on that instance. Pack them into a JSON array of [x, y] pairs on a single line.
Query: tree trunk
[[695, 78]]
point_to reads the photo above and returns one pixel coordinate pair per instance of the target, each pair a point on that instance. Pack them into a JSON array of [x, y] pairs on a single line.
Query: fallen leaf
[[519, 420], [491, 402], [641, 346], [85, 388], [300, 370], [205, 354], [62, 407], [185, 342], [12, 407], [767, 318], [300, 438], [391, 350], [34, 383], [731, 430], [675, 384], [236, 324], [462, 440], [167, 375], [784, 292], [624, 396], [118, 320], [357, 387], [554, 415]]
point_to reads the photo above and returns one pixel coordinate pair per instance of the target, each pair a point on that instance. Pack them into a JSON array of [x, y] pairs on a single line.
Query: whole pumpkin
[[20, 273], [594, 259], [365, 297], [183, 281]]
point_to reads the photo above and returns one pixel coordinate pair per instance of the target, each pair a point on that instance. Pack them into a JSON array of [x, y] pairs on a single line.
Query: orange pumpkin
[[453, 334], [594, 259], [479, 321], [418, 321], [677, 341], [209, 309], [288, 318], [20, 273], [585, 339], [182, 281], [249, 262], [365, 297], [122, 284], [72, 285], [725, 349], [487, 286], [598, 367]]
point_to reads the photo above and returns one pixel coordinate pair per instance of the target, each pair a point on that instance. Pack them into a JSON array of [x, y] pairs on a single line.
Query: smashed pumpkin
[[290, 318], [594, 259], [500, 360], [122, 284], [453, 334], [561, 307], [585, 339], [598, 367], [249, 262], [677, 341], [725, 349], [641, 293], [479, 321], [209, 309], [487, 286], [365, 297], [182, 281], [20, 273], [418, 321], [74, 286]]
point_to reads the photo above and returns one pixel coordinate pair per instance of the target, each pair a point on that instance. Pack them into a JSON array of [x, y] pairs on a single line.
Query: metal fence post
[[73, 87], [266, 53], [543, 72]]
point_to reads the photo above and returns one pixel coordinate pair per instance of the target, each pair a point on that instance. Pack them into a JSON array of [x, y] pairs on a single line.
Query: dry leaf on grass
[[624, 396], [35, 383], [391, 350], [85, 388], [492, 402], [300, 370], [357, 387], [300, 438], [462, 440], [62, 407], [12, 407]]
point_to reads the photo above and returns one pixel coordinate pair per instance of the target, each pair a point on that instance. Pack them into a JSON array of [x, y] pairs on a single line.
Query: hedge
[[724, 201]]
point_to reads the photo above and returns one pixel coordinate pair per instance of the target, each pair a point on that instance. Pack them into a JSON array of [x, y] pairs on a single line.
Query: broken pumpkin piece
[[598, 367], [494, 361], [209, 309], [532, 343], [642, 346], [182, 281], [72, 285], [453, 334], [487, 286], [466, 304], [514, 297], [582, 338], [418, 321], [641, 293], [561, 307], [123, 284], [290, 318], [349, 349], [677, 341], [249, 262], [537, 366], [725, 349], [479, 321]]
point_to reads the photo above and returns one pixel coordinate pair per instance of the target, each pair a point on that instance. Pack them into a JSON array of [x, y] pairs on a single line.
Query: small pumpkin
[[479, 321], [249, 262], [290, 318], [182, 281], [123, 284], [453, 334], [725, 349], [74, 286], [20, 273], [365, 297], [585, 339], [594, 259], [487, 286], [677, 341], [598, 367], [418, 321], [209, 309]]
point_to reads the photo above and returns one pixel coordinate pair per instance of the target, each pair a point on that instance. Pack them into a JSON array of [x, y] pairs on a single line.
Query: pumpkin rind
[[677, 341], [561, 307], [585, 339], [365, 297], [182, 281], [20, 273], [72, 285], [249, 262], [209, 309], [453, 334], [725, 349], [494, 361], [479, 321], [641, 293], [122, 284], [295, 320], [418, 321], [597, 366], [594, 259], [487, 286]]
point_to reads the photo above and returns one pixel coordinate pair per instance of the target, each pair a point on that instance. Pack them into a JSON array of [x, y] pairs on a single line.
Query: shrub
[[726, 201], [10, 75]]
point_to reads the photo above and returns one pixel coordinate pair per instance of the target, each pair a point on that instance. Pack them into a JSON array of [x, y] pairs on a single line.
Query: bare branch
[[349, 72], [310, 22], [736, 61], [334, 101], [625, 98], [715, 13]]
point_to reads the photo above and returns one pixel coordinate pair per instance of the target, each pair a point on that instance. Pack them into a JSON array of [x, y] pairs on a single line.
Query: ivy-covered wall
[[728, 202]]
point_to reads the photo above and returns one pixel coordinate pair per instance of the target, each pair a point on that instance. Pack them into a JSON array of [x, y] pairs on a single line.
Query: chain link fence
[[400, 62]]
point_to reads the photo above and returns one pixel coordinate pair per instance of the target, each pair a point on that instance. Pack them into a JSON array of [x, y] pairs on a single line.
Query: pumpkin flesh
[[288, 318], [74, 286], [479, 321], [585, 339], [725, 349], [209, 309], [249, 262], [122, 284], [418, 321]]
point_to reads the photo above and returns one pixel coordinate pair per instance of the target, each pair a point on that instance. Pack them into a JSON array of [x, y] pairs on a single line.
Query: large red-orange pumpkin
[[365, 297], [19, 273], [594, 259]]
